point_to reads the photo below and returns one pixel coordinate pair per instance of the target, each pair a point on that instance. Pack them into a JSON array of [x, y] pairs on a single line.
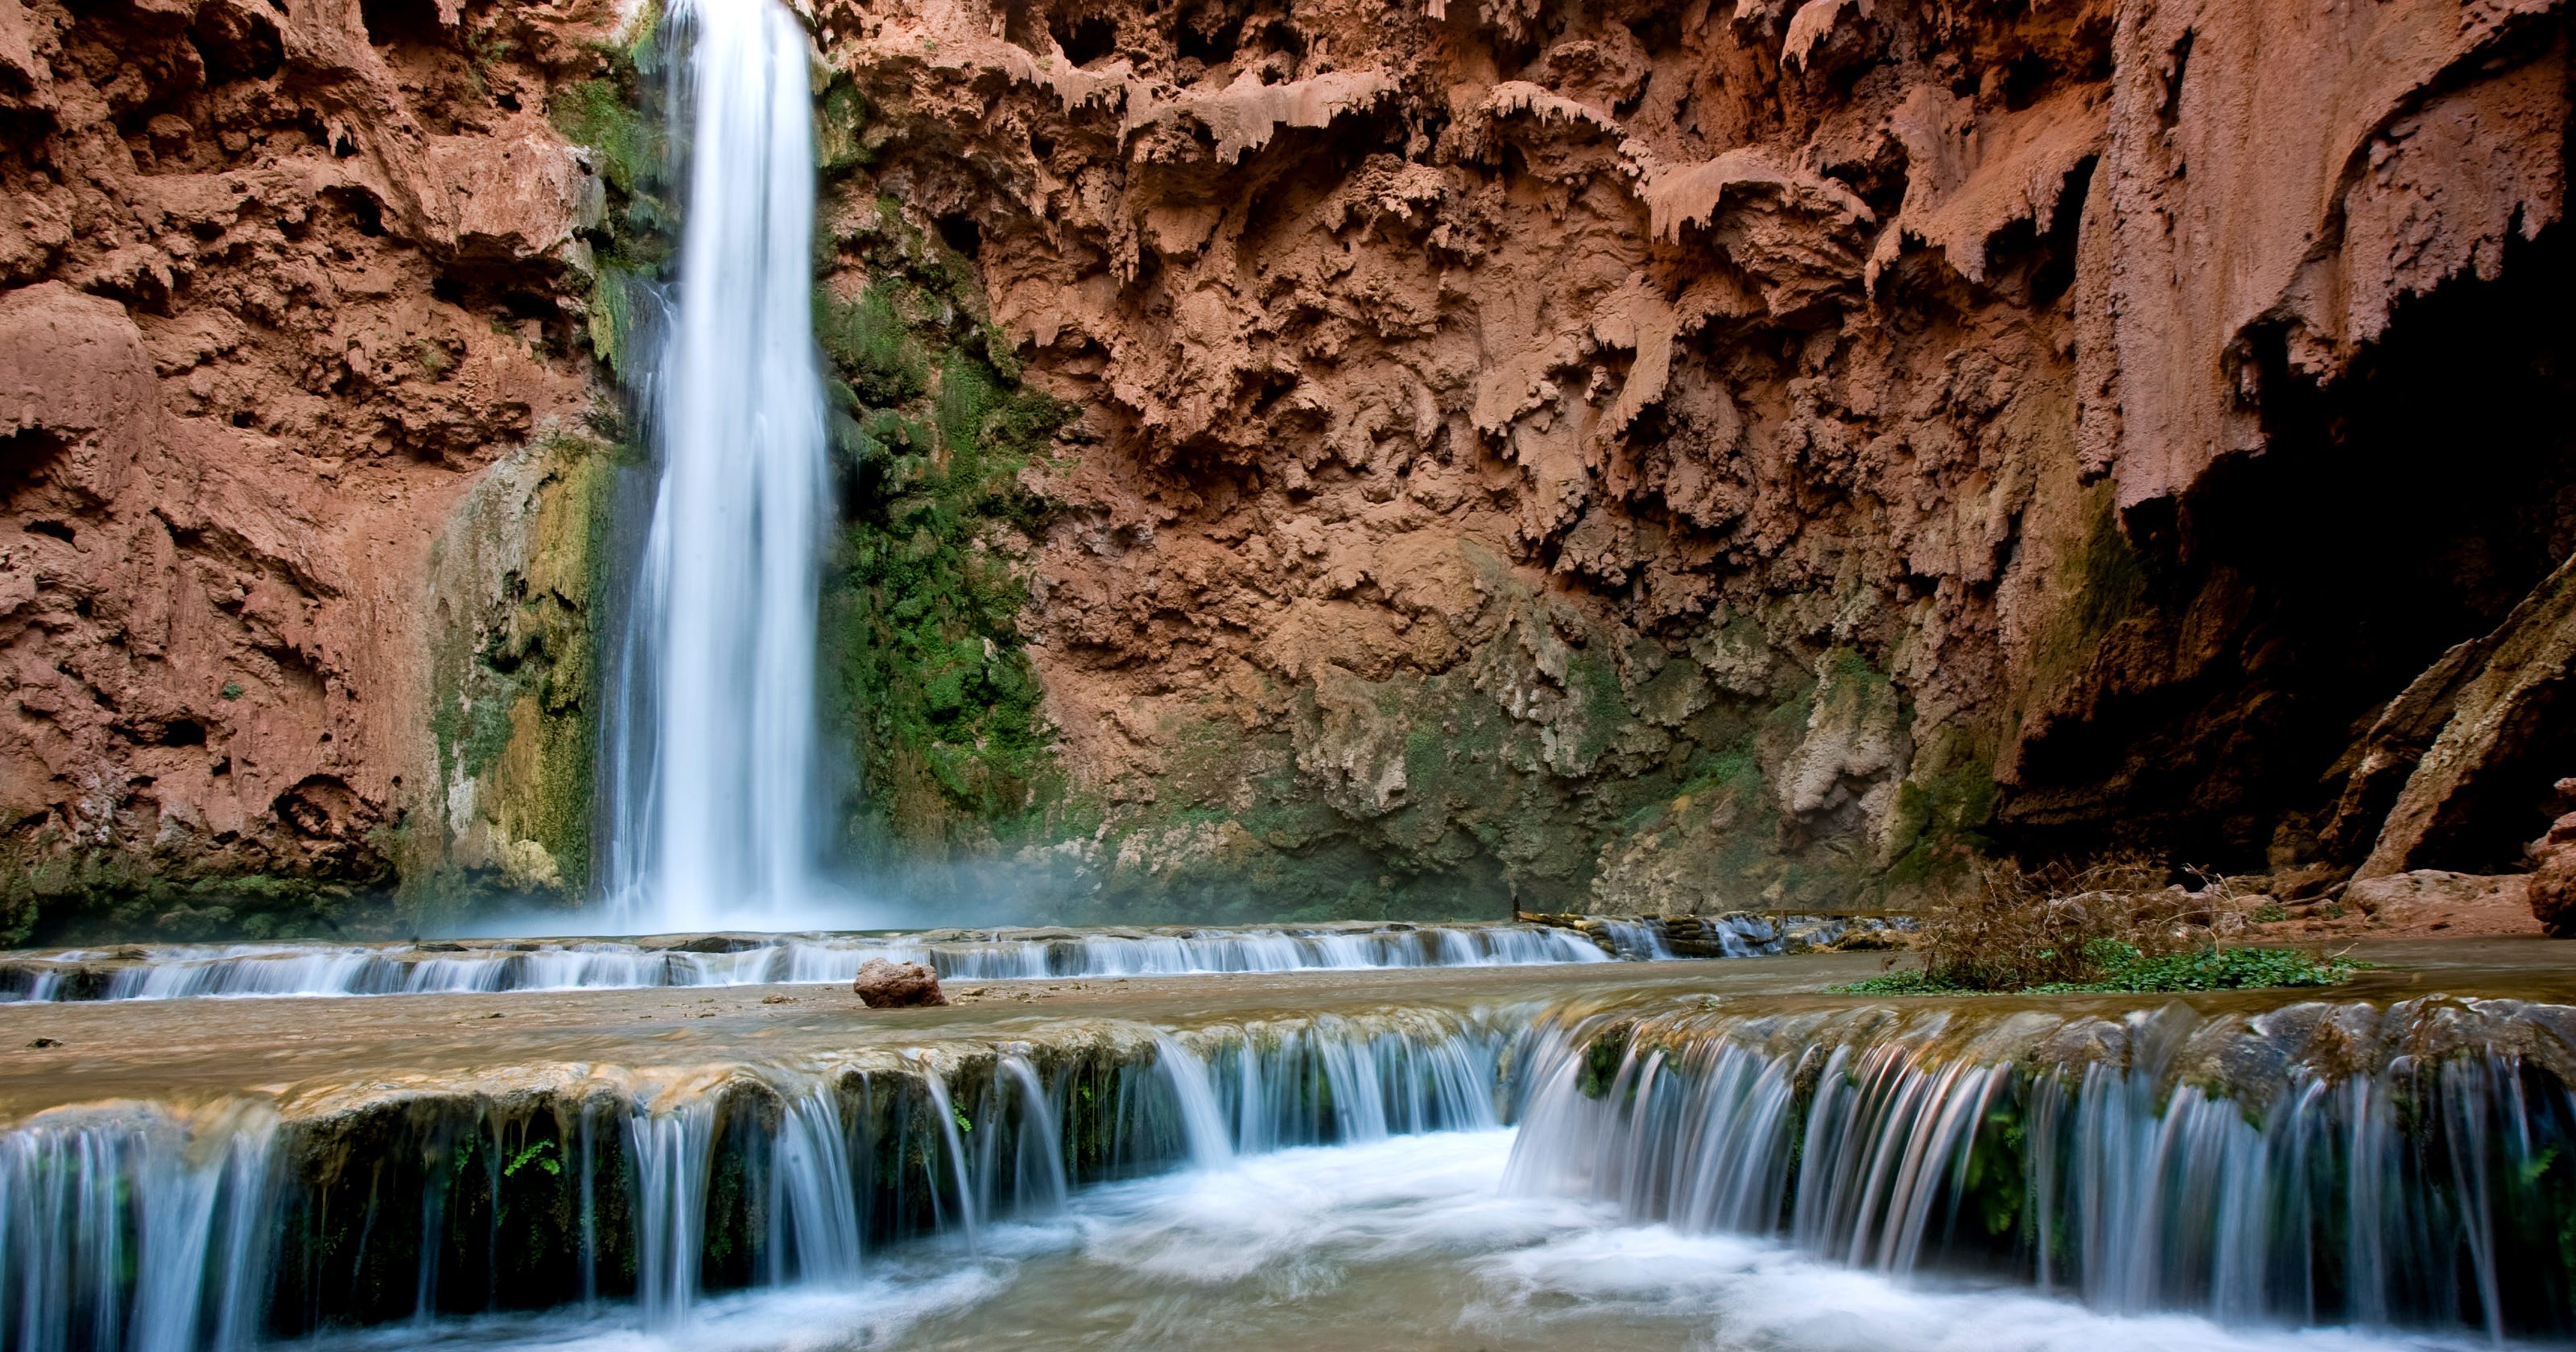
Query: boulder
[[2553, 883], [896, 985], [2498, 690], [2424, 895]]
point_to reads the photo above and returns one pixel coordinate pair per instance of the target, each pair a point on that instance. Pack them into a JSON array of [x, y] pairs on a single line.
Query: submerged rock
[[896, 985]]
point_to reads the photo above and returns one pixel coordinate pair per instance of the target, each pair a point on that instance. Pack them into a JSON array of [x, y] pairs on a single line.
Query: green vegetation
[[2114, 927], [608, 115], [513, 677], [931, 428], [2222, 969], [2128, 972]]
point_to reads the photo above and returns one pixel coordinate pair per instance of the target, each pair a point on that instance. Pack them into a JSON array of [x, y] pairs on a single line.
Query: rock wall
[[1672, 457], [1326, 458], [284, 276]]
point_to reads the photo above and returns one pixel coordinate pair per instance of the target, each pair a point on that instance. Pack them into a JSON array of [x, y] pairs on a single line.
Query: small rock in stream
[[893, 985]]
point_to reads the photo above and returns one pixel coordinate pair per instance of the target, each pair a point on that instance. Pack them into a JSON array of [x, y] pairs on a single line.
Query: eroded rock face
[[284, 277], [1671, 457], [1591, 457]]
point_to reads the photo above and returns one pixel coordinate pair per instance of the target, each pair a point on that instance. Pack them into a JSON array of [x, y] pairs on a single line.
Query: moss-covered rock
[[517, 587]]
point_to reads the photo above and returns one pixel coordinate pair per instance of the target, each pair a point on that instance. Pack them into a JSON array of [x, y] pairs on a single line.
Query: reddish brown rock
[[1896, 398], [2553, 883], [289, 279], [1641, 457], [2428, 897], [881, 984]]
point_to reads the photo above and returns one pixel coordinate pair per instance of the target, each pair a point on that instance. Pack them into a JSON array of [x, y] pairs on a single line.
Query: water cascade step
[[2323, 1163], [2319, 1164], [180, 971], [139, 1226]]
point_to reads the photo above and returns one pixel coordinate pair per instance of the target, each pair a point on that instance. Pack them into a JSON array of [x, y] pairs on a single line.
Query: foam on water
[[1406, 1242]]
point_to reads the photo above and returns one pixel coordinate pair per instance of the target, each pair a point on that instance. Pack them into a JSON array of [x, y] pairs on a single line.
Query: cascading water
[[2397, 1168], [2305, 1167], [190, 971], [712, 764]]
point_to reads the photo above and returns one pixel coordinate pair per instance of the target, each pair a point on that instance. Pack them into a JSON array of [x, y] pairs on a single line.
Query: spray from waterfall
[[712, 770]]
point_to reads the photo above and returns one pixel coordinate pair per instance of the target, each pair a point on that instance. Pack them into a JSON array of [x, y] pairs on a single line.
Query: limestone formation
[[287, 279], [1614, 457]]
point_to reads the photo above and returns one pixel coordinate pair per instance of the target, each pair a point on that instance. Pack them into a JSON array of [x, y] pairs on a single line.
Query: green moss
[[2110, 581], [1943, 808], [513, 677], [601, 115], [612, 117], [872, 346], [1602, 1057], [934, 688], [841, 141]]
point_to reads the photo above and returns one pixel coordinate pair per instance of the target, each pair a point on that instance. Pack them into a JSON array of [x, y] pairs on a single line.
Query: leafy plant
[[536, 1153]]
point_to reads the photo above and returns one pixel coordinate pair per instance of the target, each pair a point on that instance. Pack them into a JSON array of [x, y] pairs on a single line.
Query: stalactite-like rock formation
[[1416, 457], [1662, 458]]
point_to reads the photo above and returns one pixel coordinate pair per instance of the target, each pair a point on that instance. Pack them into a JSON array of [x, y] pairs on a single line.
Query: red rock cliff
[[1607, 456]]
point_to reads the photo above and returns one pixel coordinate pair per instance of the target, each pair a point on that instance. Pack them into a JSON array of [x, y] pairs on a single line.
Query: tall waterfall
[[713, 776]]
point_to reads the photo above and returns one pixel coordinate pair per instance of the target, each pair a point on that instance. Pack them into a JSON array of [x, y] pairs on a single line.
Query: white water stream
[[1409, 1242], [1334, 1182], [714, 805]]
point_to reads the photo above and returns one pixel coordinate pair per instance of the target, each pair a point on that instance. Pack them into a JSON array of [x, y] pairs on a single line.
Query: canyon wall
[[286, 284], [1667, 458], [1328, 458]]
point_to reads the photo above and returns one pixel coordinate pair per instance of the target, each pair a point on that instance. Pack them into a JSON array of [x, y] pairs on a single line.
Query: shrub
[[2007, 928], [2113, 926]]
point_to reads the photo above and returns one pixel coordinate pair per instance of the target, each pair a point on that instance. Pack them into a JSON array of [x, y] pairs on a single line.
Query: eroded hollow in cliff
[[2257, 626]]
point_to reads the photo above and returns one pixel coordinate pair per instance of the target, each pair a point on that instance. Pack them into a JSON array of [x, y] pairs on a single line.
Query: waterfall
[[2400, 1167], [711, 765], [126, 1229], [2310, 1166]]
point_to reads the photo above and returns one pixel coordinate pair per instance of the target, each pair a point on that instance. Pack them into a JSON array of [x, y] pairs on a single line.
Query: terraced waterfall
[[1495, 1170], [1567, 548]]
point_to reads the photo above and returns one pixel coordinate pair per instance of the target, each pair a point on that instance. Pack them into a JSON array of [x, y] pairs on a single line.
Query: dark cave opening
[[2400, 510], [1085, 39]]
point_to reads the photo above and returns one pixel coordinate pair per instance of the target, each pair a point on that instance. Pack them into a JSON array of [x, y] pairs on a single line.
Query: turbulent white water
[[1408, 1242], [714, 772], [1332, 1182]]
